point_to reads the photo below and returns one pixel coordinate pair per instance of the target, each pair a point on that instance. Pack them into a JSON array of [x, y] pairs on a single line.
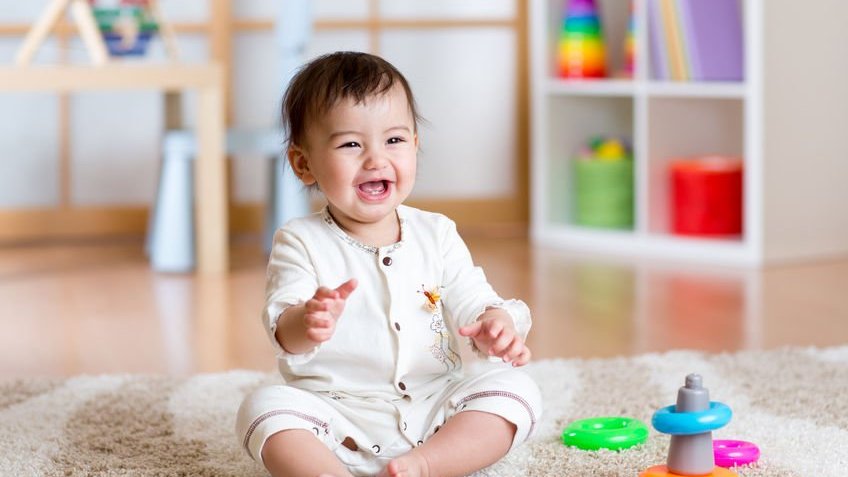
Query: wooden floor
[[98, 308]]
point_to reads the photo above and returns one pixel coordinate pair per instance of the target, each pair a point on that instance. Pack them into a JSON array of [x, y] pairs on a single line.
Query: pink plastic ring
[[729, 452]]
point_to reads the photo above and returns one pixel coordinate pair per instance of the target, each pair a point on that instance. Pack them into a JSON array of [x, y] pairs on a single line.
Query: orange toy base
[[662, 471]]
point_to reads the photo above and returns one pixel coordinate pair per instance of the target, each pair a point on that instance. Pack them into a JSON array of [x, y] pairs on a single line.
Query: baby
[[377, 313]]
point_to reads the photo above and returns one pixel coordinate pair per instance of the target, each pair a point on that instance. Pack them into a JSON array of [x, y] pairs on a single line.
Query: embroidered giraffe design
[[441, 347]]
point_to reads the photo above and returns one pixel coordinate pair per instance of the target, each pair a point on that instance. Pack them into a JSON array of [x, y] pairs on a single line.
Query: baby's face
[[363, 157]]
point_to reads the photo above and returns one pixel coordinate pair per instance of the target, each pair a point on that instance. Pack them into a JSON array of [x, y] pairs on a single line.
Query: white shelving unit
[[786, 119]]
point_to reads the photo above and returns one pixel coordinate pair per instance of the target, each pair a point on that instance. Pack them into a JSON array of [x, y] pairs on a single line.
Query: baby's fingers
[[493, 329], [323, 292], [315, 306], [319, 334], [523, 358], [501, 343], [514, 350], [345, 289], [471, 330], [318, 320], [319, 326]]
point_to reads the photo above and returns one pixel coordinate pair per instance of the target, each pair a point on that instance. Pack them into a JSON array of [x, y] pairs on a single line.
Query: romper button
[[350, 443], [420, 442], [404, 425], [397, 326], [376, 449], [402, 386], [387, 261]]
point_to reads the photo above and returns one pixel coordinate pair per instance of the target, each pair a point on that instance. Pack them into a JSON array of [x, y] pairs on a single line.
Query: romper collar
[[331, 223]]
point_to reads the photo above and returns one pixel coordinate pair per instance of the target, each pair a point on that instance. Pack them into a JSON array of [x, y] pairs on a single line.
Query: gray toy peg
[[692, 454]]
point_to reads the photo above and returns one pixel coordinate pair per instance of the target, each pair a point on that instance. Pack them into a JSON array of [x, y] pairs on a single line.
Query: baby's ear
[[300, 165]]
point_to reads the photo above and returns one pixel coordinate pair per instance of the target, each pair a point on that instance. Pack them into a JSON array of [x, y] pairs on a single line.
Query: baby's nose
[[375, 161]]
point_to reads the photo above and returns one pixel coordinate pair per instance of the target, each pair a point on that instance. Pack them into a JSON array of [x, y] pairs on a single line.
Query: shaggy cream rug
[[792, 402]]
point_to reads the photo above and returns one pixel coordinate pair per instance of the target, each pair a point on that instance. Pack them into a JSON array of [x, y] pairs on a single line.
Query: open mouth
[[374, 190]]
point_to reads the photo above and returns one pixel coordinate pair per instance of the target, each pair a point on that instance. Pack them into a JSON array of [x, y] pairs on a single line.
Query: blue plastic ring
[[667, 421]]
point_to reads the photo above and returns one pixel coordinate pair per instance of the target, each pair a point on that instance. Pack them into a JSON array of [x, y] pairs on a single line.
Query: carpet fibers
[[792, 402]]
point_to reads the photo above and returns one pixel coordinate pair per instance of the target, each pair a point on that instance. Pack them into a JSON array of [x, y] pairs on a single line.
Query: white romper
[[394, 370]]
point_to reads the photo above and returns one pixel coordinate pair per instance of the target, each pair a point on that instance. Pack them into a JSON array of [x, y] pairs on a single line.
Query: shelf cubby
[[680, 128], [573, 121]]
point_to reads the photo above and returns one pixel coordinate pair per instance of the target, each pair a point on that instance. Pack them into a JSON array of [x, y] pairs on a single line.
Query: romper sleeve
[[290, 280], [467, 293]]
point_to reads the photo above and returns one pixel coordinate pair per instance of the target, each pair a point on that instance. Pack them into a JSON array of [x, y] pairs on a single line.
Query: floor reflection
[[172, 297], [695, 311], [100, 309], [596, 306]]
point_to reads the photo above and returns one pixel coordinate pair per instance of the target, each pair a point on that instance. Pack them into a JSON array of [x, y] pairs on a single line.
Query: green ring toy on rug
[[613, 433]]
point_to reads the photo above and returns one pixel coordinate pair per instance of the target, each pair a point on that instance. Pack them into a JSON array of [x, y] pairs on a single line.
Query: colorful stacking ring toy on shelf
[[614, 433], [581, 44], [729, 453]]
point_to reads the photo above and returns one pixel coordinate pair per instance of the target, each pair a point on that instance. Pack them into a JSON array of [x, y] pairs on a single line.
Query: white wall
[[806, 123], [464, 80]]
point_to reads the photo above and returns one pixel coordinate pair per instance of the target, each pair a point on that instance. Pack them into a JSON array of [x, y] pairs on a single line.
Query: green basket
[[106, 18], [603, 192]]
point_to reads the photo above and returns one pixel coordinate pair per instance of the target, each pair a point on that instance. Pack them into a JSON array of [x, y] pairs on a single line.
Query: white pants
[[366, 433]]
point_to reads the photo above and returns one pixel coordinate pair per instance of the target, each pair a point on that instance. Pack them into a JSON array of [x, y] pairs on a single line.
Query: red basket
[[707, 196]]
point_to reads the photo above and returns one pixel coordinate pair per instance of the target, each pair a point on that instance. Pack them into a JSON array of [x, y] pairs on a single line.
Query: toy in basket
[[119, 28], [603, 184], [127, 26]]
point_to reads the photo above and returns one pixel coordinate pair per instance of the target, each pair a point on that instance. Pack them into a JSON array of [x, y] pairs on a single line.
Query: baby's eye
[[396, 140], [349, 144]]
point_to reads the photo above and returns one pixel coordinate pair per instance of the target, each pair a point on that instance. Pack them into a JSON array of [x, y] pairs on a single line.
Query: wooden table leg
[[210, 182]]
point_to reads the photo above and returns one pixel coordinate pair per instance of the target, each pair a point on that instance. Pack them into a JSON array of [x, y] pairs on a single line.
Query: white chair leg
[[172, 233], [170, 241], [287, 198]]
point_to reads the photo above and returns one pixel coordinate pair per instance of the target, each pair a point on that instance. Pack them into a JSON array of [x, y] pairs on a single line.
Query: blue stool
[[171, 232]]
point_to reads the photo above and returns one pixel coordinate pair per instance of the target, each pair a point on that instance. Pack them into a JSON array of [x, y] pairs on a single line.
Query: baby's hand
[[494, 334], [324, 309]]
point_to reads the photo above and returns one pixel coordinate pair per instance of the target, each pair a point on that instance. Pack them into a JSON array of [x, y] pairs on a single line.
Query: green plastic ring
[[614, 433]]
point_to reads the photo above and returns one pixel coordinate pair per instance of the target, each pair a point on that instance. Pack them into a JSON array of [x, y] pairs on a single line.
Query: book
[[713, 38], [674, 40], [657, 42]]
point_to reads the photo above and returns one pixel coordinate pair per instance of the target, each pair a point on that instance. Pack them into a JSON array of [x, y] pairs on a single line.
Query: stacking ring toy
[[730, 452], [690, 422], [667, 421], [614, 433]]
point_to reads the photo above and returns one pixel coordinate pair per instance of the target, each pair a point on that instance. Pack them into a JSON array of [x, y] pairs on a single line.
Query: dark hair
[[320, 84]]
